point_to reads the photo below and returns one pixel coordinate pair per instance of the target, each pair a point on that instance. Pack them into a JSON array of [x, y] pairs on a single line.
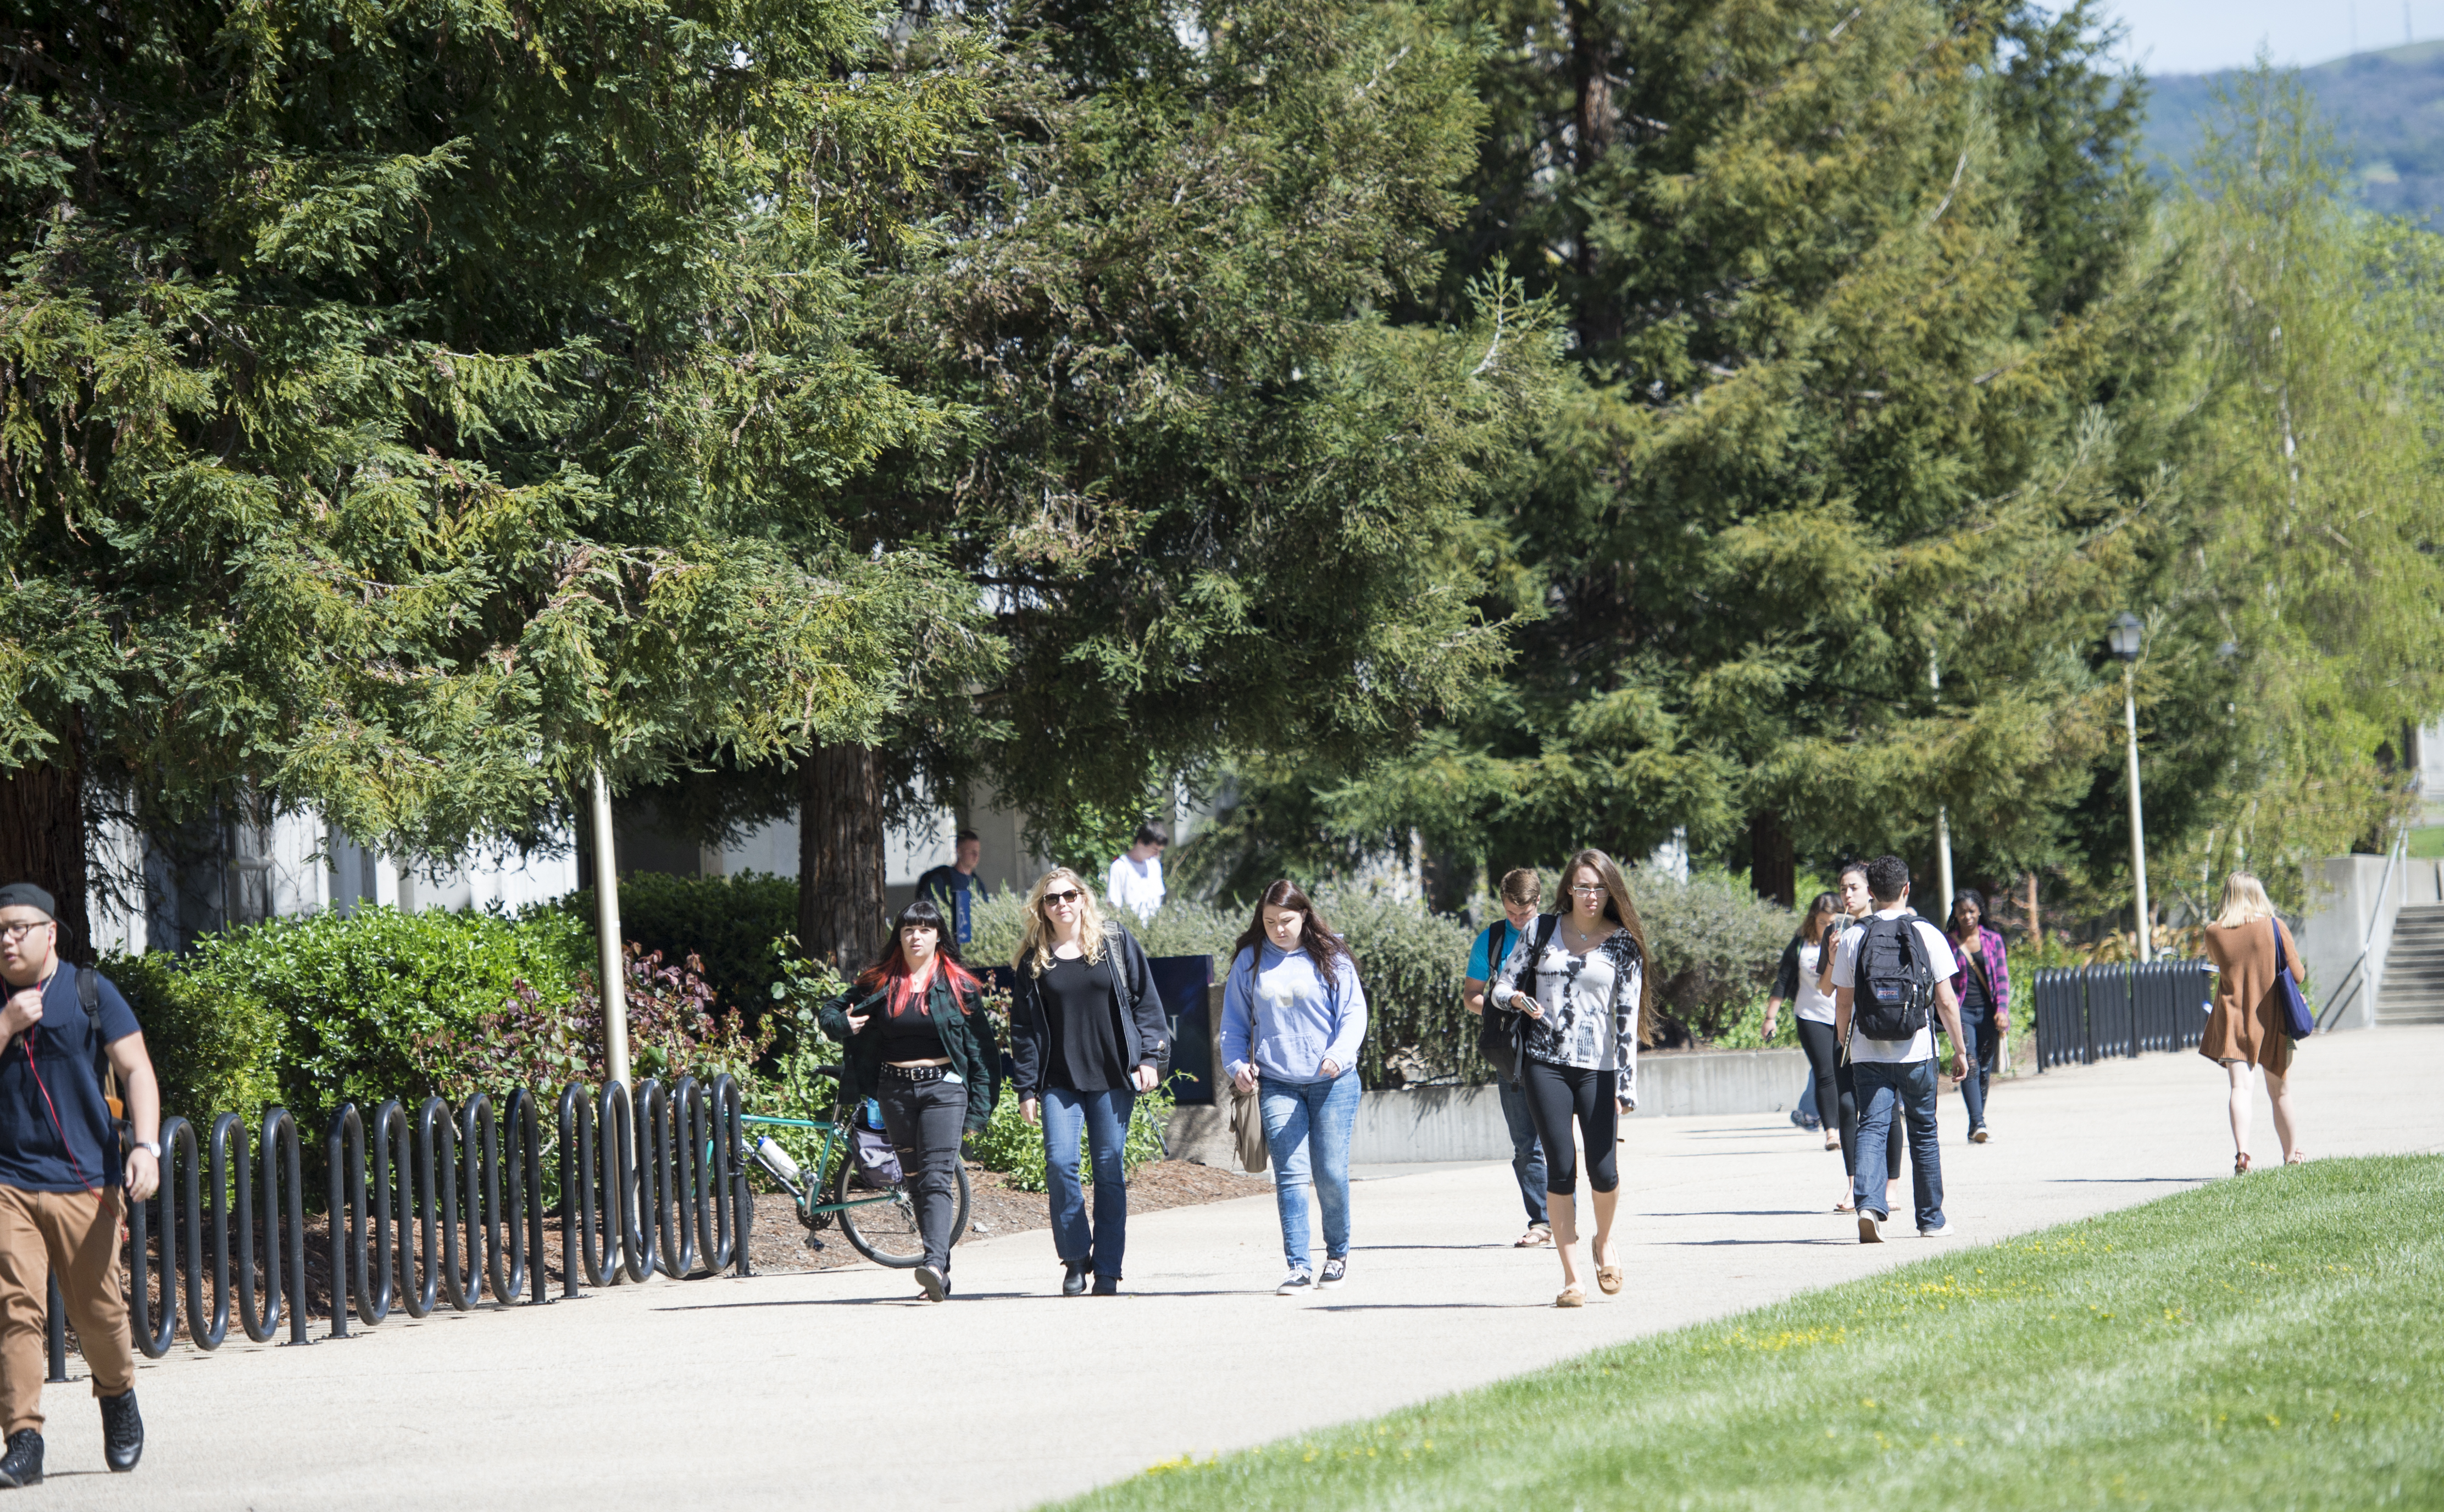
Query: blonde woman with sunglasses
[[1087, 1033]]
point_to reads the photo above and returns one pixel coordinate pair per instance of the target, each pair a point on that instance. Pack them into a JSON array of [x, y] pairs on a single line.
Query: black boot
[[122, 1431], [23, 1463], [1073, 1277]]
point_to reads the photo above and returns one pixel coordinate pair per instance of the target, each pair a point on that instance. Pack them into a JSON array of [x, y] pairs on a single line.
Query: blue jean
[[1977, 1042], [1888, 1091], [1306, 1131], [1526, 1153], [1103, 1117]]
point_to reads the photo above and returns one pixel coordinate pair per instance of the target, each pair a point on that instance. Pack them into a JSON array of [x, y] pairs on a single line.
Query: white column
[[2138, 825], [607, 923]]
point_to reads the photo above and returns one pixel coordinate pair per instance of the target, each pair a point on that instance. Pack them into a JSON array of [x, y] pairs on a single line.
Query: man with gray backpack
[[1893, 975]]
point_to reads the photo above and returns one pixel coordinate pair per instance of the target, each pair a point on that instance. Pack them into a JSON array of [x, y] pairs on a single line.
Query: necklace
[[1584, 938]]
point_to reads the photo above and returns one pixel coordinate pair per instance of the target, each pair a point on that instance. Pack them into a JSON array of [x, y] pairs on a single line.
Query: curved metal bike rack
[[647, 1182]]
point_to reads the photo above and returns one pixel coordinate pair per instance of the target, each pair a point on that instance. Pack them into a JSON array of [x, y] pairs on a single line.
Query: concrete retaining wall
[[1465, 1123]]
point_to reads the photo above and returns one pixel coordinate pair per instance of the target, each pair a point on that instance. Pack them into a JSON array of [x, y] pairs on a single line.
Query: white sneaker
[[1297, 1284], [1941, 1230], [1334, 1272], [1870, 1228], [1979, 1136]]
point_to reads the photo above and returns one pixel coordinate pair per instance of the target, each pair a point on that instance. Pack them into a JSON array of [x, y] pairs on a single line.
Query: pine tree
[[404, 411]]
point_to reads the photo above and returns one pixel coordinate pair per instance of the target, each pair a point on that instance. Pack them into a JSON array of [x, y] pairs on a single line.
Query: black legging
[[1555, 1095], [1834, 1091]]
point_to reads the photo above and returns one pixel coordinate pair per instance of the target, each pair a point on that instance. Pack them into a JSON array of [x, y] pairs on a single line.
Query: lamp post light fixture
[[2125, 637]]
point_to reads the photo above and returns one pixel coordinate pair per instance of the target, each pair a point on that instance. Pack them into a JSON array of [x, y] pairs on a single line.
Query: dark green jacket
[[967, 1039]]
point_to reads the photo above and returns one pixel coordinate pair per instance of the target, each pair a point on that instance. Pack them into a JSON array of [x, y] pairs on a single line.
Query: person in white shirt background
[[1896, 1078], [1137, 876]]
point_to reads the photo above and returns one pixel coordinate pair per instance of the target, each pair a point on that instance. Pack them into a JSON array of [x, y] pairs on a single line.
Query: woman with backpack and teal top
[[1293, 1016], [918, 1040], [1523, 898], [1578, 983]]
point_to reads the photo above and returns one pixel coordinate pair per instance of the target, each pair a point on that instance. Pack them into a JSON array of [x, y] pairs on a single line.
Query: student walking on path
[[956, 889], [1855, 905], [1579, 979], [2245, 1027], [1135, 885], [1983, 986], [1086, 1035], [1523, 895], [62, 1178], [1893, 979], [1800, 981], [918, 1042], [1293, 1016]]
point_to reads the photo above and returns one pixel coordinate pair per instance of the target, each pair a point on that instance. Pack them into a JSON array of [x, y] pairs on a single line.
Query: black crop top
[[908, 1035]]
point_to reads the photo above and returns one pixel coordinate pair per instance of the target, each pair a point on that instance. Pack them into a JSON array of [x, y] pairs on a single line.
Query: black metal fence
[[2087, 1013], [448, 1210]]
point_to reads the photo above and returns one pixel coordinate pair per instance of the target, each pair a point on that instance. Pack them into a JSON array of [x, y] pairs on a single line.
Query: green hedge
[[728, 923], [315, 1011]]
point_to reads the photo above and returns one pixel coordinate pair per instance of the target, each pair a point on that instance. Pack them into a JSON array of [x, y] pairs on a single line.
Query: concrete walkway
[[838, 1388]]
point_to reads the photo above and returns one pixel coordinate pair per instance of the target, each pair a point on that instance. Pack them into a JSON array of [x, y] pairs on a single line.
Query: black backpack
[[1497, 1037], [1895, 997]]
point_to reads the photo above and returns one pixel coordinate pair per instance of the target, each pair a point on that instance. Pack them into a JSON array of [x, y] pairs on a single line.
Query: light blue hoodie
[[1278, 997]]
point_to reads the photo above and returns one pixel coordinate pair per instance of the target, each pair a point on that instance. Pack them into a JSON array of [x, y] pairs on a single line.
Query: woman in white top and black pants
[[1579, 980]]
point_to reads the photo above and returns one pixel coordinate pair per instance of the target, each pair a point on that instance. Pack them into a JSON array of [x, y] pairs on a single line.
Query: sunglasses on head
[[1065, 895]]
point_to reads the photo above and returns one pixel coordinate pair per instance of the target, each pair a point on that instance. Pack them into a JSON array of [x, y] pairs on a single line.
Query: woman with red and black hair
[[920, 1044]]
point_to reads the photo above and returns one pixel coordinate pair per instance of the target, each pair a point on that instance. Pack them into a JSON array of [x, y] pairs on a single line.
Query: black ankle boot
[[23, 1463], [1073, 1277], [122, 1431]]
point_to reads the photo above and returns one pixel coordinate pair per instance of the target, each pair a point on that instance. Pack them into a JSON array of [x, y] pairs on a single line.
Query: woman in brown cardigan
[[2245, 1028]]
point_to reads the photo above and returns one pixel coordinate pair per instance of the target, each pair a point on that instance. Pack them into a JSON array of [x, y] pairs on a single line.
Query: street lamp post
[[607, 924], [2125, 637]]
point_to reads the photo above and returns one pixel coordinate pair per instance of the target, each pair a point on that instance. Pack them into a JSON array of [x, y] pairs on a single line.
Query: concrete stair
[[2414, 969]]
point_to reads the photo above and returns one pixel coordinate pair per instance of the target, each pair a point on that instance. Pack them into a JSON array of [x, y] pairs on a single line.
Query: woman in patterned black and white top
[[1579, 980]]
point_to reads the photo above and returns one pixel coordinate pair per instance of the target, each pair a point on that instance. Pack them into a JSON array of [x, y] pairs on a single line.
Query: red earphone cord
[[36, 1067]]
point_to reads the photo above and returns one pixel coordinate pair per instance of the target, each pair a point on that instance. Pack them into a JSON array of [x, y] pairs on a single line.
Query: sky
[[2199, 36]]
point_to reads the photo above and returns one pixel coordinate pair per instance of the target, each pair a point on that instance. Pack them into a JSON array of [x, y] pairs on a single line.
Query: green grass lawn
[[2272, 1341]]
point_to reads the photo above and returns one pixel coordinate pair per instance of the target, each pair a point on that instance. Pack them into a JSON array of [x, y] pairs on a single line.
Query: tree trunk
[[2036, 920], [1774, 867], [840, 856], [1594, 124], [43, 841]]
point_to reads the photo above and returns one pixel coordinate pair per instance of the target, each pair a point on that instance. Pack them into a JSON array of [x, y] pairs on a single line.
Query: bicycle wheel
[[885, 1231]]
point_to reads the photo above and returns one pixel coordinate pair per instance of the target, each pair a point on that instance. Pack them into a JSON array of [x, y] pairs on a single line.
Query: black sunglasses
[[1066, 895]]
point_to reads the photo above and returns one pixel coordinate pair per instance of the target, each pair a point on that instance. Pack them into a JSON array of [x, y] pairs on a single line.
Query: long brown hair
[[894, 971], [1619, 908], [1315, 936], [1820, 912]]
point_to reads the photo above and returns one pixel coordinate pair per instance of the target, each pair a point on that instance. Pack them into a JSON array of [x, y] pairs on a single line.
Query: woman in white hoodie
[[1293, 1016]]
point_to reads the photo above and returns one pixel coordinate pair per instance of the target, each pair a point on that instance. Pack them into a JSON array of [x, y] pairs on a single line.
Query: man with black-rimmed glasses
[[62, 1178]]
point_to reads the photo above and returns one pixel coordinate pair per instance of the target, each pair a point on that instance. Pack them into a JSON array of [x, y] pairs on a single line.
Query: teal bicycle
[[868, 1197]]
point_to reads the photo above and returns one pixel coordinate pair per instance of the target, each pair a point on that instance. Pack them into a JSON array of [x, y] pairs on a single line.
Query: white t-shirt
[[1920, 1047], [1137, 885], [1813, 1006]]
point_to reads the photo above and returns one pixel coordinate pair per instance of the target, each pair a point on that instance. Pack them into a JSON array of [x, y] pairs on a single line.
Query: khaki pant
[[75, 1233]]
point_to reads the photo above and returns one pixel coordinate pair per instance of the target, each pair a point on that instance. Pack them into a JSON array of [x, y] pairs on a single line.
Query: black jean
[[1555, 1095], [1837, 1099], [926, 1120]]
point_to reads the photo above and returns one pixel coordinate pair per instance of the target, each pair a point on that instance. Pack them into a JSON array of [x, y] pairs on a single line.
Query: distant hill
[[2386, 110]]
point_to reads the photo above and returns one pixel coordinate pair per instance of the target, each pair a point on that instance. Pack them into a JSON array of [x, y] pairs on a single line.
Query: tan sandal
[[1572, 1295], [2240, 1163], [1537, 1235], [1608, 1278], [2295, 1158]]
